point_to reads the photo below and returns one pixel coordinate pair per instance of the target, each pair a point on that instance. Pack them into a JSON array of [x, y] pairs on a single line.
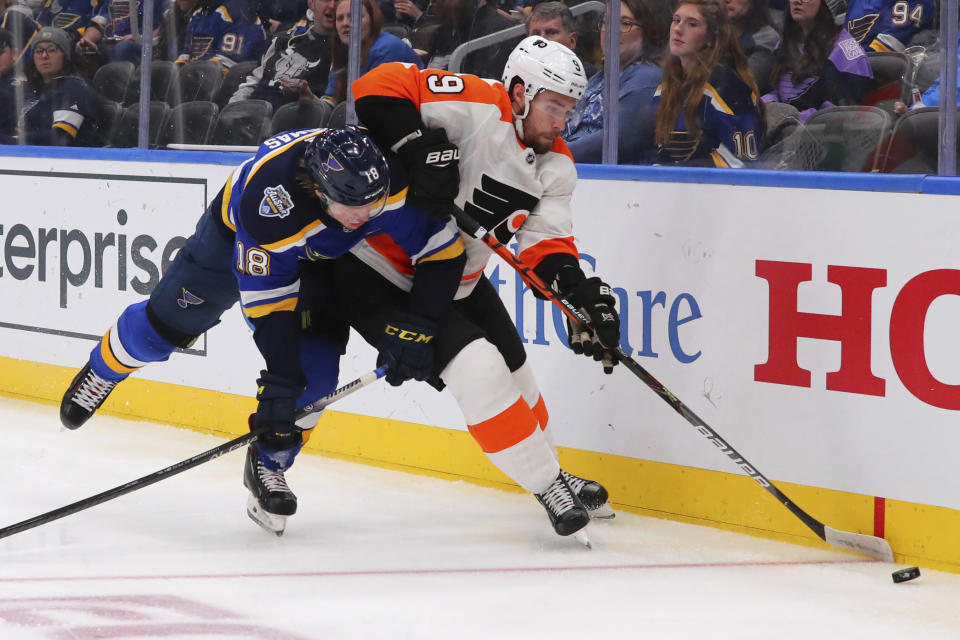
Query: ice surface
[[383, 554]]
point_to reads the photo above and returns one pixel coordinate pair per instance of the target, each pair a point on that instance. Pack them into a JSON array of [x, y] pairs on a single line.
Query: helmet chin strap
[[518, 118]]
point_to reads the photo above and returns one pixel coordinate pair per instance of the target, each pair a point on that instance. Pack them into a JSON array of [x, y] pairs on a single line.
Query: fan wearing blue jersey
[[708, 110], [227, 31], [888, 25], [306, 196]]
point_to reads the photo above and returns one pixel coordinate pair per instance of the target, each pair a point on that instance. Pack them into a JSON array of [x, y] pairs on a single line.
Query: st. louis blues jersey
[[279, 223], [70, 15], [113, 16], [226, 31], [730, 125], [888, 25]]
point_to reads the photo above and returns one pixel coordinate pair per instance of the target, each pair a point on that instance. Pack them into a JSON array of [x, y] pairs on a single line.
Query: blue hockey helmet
[[348, 167]]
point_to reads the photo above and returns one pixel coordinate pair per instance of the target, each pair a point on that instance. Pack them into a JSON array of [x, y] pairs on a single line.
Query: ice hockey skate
[[592, 494], [270, 501], [567, 514], [84, 396]]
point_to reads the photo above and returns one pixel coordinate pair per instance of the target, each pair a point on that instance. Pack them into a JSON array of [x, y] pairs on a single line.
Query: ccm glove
[[595, 300], [433, 164], [406, 347], [276, 412]]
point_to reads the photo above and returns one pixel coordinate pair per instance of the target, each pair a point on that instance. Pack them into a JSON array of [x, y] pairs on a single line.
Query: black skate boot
[[592, 495], [271, 500], [567, 513], [84, 396]]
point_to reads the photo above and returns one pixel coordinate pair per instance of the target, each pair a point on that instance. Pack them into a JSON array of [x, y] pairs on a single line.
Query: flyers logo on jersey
[[499, 207], [276, 202]]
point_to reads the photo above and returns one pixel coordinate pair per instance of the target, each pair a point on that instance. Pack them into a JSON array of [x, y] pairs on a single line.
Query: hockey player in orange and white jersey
[[494, 150]]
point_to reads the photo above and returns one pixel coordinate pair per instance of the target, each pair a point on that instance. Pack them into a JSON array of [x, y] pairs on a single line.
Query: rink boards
[[809, 319]]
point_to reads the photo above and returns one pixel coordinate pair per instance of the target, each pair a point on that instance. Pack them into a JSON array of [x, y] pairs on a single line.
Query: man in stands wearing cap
[[63, 108]]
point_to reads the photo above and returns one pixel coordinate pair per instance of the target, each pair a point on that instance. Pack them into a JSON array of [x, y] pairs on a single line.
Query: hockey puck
[[903, 575]]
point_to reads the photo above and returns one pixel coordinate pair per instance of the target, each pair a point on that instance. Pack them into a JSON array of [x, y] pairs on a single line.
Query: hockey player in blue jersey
[[306, 196], [227, 31], [888, 25]]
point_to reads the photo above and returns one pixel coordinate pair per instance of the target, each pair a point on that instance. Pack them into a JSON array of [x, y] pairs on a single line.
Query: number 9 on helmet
[[348, 167]]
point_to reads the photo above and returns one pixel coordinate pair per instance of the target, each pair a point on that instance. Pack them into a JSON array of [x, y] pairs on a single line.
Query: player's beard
[[541, 143]]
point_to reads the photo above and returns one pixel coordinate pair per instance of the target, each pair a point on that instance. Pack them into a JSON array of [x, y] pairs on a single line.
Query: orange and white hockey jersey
[[513, 192]]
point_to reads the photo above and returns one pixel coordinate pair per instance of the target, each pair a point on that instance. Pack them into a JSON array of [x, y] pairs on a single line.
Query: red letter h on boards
[[851, 328]]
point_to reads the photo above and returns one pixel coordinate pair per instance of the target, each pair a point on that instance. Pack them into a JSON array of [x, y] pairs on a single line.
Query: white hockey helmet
[[543, 64]]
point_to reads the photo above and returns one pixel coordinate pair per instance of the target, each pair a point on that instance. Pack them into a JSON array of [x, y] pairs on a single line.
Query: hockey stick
[[861, 543], [189, 463]]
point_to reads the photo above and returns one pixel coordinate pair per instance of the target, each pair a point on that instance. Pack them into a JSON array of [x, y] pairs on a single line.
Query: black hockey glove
[[276, 411], [406, 347], [595, 300], [433, 165]]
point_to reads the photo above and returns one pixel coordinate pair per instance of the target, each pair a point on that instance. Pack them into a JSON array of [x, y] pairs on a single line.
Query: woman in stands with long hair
[[376, 48], [643, 26], [818, 64], [708, 110], [63, 111]]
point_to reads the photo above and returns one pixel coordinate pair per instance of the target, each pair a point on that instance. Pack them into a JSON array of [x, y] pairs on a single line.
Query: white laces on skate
[[575, 483], [557, 497], [272, 480], [92, 390]]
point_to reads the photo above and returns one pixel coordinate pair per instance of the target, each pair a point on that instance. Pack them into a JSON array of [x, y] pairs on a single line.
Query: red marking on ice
[[418, 572]]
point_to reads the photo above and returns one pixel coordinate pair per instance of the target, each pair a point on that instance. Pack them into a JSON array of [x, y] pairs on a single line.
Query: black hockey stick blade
[[868, 545], [189, 463]]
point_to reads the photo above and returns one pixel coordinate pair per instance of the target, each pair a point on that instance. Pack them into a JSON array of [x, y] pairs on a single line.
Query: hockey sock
[[523, 377], [128, 345], [498, 417]]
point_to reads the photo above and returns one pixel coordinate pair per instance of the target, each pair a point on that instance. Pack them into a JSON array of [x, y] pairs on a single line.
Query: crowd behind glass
[[796, 84]]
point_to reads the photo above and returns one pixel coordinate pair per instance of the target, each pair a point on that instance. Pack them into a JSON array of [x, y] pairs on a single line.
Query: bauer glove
[[595, 300], [406, 347], [433, 165], [276, 412]]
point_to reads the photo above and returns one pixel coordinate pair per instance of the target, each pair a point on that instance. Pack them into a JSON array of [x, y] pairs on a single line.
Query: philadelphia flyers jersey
[[515, 193]]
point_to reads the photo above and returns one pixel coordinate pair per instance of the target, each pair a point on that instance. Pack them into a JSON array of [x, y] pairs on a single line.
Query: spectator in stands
[[708, 113], [818, 64], [448, 27], [404, 12], [111, 34], [888, 25], [553, 20], [753, 28], [73, 16], [377, 47], [20, 22], [227, 31], [297, 63], [279, 16], [63, 111], [8, 89], [173, 29], [644, 25]]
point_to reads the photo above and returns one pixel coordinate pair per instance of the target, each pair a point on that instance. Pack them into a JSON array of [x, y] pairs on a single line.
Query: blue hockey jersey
[[70, 15], [888, 25], [113, 16], [279, 223], [730, 124], [227, 31]]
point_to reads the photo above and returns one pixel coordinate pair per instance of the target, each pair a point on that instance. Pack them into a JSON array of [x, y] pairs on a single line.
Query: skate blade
[[268, 521], [603, 512], [581, 537]]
